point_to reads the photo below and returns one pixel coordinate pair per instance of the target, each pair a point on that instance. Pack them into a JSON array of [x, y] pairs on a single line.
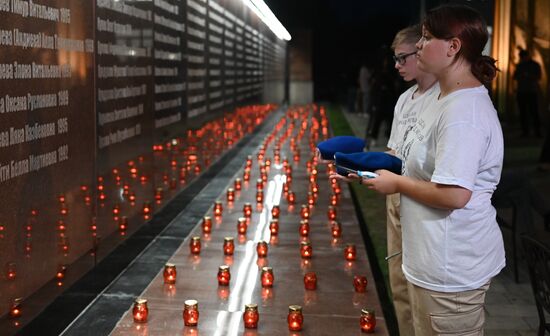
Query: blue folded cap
[[369, 161], [343, 144]]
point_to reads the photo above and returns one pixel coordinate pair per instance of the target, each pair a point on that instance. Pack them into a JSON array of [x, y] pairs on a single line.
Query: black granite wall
[[110, 107]]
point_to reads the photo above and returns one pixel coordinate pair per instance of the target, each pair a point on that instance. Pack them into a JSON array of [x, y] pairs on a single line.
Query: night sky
[[346, 33]]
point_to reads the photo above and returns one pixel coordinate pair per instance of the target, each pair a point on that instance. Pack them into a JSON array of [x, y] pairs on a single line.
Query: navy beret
[[343, 144], [369, 161]]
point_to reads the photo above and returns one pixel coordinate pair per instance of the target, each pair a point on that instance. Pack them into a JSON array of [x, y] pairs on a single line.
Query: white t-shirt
[[405, 112], [457, 140]]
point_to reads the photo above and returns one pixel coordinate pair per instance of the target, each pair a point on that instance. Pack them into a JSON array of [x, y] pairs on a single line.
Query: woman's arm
[[436, 195]]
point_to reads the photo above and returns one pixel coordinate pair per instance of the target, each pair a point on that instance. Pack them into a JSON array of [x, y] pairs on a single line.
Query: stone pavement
[[510, 306]]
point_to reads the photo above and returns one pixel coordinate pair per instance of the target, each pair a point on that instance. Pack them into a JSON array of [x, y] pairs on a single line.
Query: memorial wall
[[109, 108]]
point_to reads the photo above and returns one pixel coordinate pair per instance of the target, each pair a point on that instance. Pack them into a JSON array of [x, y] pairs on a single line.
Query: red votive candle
[[261, 249], [336, 229], [237, 184], [241, 225], [140, 311], [259, 196], [228, 246], [206, 224], [367, 320], [360, 283], [306, 250], [247, 210], [310, 281], [15, 308], [291, 197], [251, 316], [304, 228], [331, 213], [304, 212], [275, 211], [169, 274], [274, 227], [195, 245], [295, 318], [224, 275], [230, 195], [218, 208], [191, 313], [350, 252], [259, 184], [267, 277], [333, 200]]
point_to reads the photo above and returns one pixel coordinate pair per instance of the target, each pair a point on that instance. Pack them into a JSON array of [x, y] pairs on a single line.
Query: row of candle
[[251, 316]]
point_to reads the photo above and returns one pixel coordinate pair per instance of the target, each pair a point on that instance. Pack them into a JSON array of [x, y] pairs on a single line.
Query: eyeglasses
[[402, 59]]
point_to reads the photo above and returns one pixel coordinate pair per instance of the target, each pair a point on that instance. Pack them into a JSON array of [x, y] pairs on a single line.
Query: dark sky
[[346, 33]]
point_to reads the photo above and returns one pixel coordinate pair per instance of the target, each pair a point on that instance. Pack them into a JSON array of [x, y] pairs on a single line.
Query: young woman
[[452, 245], [406, 110]]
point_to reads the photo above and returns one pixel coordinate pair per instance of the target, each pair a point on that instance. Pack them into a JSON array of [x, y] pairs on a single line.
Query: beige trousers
[[438, 313], [398, 283]]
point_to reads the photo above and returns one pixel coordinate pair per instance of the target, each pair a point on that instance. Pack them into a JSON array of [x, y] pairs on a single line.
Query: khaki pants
[[438, 313], [398, 282]]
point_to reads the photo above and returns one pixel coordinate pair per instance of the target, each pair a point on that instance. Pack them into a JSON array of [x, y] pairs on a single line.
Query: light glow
[[266, 15]]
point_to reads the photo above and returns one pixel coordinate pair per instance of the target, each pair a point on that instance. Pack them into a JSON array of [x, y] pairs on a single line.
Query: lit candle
[[237, 184], [259, 184], [275, 211], [310, 281], [11, 271], [247, 210], [336, 229], [360, 283], [291, 197], [246, 175], [367, 320], [191, 313], [304, 228], [146, 209], [170, 274], [259, 196], [123, 223], [304, 212], [251, 316], [224, 275], [261, 249], [306, 250], [195, 245], [228, 246], [61, 271], [15, 308], [333, 200], [286, 187], [331, 213], [218, 208], [310, 199], [350, 252], [295, 318], [206, 224], [140, 311], [241, 225], [230, 195], [158, 194], [267, 277], [274, 227]]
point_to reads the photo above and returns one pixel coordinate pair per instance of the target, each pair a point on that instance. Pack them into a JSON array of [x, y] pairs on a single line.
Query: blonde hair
[[409, 35]]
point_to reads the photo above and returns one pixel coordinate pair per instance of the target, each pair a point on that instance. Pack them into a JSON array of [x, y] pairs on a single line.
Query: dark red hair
[[465, 23]]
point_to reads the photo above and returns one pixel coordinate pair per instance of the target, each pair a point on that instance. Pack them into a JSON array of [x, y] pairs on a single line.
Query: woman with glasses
[[452, 245], [409, 104]]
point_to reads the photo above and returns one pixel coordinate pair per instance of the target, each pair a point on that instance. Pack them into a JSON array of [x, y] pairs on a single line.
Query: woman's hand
[[350, 178], [386, 183]]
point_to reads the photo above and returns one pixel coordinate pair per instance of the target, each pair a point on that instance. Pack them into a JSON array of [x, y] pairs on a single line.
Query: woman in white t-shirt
[[452, 245]]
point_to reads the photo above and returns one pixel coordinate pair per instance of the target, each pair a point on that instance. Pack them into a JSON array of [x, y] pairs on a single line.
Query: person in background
[[364, 88], [452, 245], [527, 75]]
